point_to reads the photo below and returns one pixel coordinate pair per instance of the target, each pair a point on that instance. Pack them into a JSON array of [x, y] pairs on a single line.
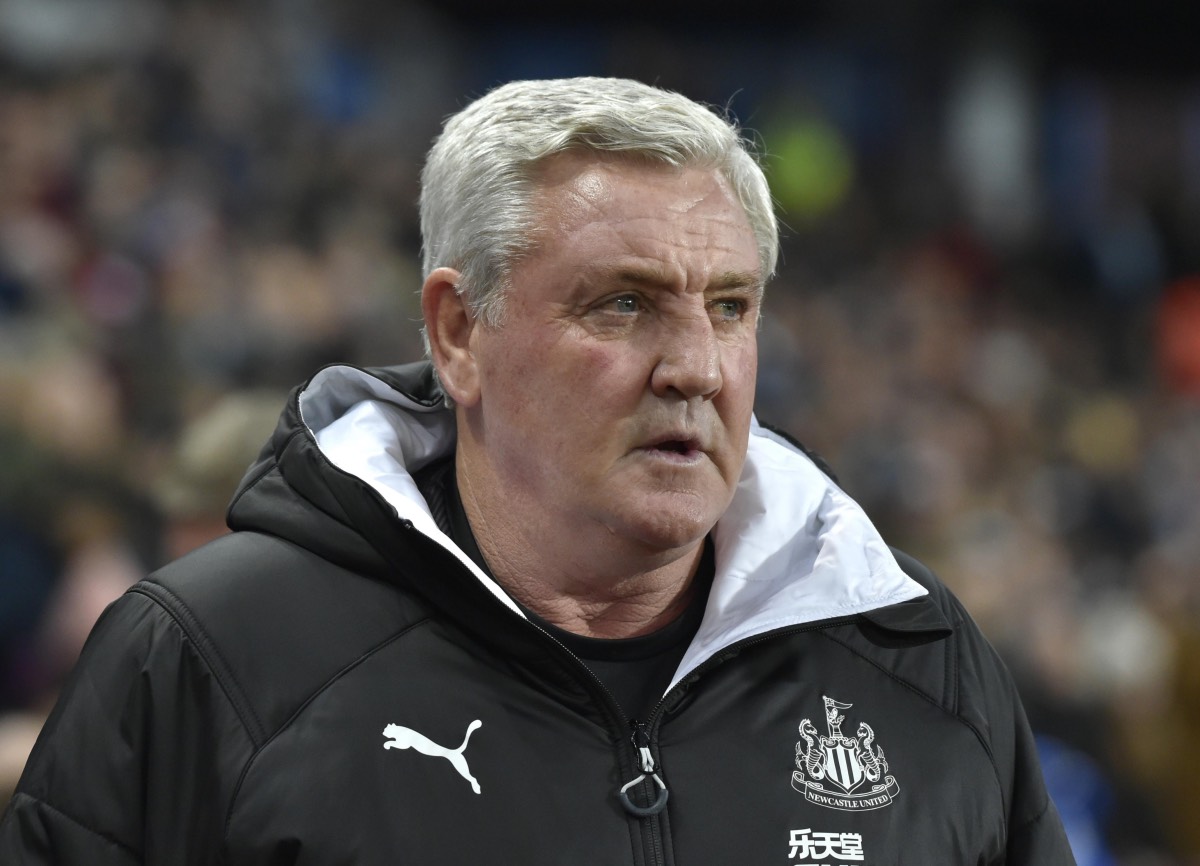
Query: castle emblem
[[841, 772]]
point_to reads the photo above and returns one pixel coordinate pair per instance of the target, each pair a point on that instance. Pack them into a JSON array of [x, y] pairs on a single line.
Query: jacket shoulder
[[274, 621], [940, 594], [973, 669], [932, 644]]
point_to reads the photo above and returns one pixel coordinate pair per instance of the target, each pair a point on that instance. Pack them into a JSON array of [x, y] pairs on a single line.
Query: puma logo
[[406, 738]]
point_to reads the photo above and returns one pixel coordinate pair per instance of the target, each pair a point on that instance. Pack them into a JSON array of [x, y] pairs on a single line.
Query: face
[[617, 391]]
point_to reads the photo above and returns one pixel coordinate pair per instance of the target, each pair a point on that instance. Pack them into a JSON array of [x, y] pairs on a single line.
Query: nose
[[689, 360]]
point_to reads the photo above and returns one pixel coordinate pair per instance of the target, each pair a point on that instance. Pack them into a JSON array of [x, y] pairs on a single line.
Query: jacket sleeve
[[985, 696], [127, 769], [1035, 830], [989, 700]]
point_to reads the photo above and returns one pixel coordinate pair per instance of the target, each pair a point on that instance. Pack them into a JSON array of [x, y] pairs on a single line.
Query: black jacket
[[335, 683]]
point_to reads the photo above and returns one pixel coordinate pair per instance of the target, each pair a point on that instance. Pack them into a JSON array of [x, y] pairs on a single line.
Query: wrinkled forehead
[[572, 184]]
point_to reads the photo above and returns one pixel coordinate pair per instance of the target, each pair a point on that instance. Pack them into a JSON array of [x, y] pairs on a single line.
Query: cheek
[[588, 371], [600, 363], [746, 363], [735, 403], [739, 373], [561, 384]]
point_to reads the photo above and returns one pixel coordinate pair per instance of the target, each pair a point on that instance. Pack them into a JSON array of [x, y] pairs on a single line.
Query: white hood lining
[[377, 434]]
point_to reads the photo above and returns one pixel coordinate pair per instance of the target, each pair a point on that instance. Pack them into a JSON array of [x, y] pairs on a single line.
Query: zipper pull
[[641, 743]]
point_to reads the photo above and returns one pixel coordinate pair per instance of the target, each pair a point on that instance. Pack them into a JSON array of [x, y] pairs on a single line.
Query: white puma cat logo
[[407, 738]]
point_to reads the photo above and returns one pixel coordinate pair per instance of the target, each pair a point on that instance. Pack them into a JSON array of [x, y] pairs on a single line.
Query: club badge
[[841, 772]]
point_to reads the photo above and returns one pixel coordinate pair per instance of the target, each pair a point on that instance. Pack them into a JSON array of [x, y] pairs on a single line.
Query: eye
[[624, 304], [729, 309]]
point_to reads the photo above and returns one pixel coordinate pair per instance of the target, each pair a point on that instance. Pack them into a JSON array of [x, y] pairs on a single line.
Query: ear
[[448, 324]]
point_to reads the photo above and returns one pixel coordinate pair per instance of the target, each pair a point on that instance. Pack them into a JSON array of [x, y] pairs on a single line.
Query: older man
[[555, 597]]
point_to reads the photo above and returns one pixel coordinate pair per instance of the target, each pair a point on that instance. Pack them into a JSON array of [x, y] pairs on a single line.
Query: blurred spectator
[[212, 455]]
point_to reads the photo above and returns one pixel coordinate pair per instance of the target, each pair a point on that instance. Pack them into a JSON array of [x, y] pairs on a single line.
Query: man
[[562, 601]]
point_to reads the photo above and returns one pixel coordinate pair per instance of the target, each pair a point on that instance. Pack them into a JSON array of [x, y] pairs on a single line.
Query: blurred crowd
[[987, 318]]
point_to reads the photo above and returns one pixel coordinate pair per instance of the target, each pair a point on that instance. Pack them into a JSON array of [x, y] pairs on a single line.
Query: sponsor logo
[[817, 849], [406, 738], [841, 772]]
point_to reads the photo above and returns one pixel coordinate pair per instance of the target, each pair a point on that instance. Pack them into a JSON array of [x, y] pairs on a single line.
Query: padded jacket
[[335, 682]]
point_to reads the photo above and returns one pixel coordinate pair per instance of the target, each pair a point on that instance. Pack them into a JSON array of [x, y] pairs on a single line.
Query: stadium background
[[987, 317]]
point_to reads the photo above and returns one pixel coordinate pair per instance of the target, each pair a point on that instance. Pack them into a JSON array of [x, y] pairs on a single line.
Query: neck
[[626, 606], [582, 579]]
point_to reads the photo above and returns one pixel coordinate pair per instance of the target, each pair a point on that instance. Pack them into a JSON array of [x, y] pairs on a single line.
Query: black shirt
[[636, 670]]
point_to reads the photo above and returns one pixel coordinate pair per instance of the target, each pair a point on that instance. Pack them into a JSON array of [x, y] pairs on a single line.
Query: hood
[[792, 548]]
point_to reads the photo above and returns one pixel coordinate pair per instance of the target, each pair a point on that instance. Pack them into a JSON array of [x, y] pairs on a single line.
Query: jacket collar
[[792, 549]]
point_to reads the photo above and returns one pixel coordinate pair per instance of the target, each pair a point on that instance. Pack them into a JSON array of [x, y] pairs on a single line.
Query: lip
[[675, 447]]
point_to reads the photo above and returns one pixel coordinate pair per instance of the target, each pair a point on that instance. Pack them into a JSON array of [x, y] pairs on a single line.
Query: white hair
[[479, 179]]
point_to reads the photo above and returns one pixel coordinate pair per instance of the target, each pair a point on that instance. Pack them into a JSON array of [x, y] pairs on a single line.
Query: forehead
[[596, 204]]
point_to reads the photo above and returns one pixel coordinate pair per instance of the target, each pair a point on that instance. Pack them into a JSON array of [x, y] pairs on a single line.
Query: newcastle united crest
[[841, 772]]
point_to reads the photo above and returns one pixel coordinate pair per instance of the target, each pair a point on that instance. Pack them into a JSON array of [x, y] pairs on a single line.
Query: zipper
[[641, 744], [643, 758], [639, 737], [646, 767]]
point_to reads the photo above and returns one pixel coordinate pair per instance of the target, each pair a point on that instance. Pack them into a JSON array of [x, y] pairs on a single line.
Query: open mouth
[[675, 447]]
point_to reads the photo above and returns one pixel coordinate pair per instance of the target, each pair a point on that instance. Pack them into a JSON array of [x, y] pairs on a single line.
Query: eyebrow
[[635, 275], [738, 280]]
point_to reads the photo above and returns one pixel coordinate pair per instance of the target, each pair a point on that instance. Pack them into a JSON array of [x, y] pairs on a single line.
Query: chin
[[670, 528]]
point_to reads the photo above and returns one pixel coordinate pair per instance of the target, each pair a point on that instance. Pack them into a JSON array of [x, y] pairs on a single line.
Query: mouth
[[675, 447]]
